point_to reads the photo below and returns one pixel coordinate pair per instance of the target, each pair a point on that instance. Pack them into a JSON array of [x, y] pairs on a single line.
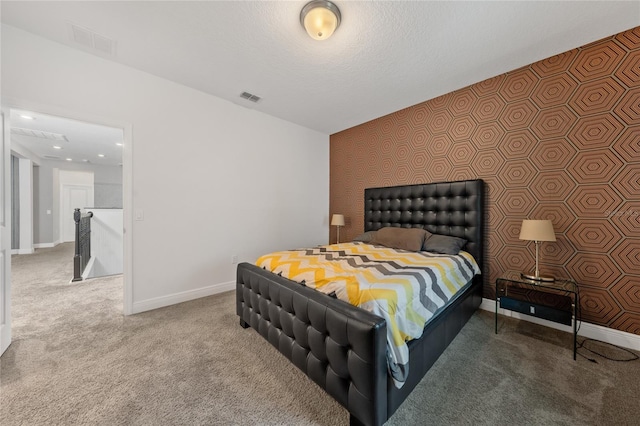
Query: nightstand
[[556, 301]]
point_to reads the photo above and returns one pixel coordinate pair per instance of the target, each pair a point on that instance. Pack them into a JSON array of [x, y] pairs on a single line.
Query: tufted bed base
[[343, 348]]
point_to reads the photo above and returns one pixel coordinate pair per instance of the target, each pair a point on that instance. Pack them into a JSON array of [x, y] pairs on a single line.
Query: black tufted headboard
[[447, 208]]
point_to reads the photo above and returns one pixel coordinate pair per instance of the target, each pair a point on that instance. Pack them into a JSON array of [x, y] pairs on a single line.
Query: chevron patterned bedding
[[406, 288]]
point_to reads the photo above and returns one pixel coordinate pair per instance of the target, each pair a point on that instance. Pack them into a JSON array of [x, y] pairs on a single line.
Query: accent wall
[[558, 139]]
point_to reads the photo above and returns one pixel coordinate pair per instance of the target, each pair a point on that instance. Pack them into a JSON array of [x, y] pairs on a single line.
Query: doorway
[[73, 196], [53, 193], [77, 195]]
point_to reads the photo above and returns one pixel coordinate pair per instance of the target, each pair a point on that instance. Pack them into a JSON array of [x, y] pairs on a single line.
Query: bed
[[343, 348]]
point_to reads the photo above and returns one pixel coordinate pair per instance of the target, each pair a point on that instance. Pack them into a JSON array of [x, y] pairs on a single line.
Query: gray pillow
[[401, 238], [367, 237], [443, 244]]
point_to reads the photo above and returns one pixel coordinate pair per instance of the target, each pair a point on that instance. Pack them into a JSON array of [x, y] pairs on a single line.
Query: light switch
[[139, 214], [48, 211]]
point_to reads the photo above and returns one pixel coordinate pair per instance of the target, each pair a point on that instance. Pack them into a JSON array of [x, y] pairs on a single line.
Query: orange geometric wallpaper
[[559, 140]]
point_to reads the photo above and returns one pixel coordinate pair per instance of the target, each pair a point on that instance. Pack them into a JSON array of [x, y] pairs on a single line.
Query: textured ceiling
[[384, 57]]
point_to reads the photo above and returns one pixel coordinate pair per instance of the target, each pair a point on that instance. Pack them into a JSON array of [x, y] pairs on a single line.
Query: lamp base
[[537, 278]]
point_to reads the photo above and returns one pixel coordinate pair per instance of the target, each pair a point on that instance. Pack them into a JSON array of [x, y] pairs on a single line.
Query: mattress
[[406, 288]]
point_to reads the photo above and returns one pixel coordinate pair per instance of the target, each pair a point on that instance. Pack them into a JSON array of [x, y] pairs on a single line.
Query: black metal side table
[[556, 301]]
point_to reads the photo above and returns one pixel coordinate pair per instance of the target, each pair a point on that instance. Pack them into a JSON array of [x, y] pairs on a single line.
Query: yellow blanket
[[406, 288]]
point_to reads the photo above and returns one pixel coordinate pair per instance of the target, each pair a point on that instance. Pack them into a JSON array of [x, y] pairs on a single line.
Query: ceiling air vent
[[39, 134], [91, 40], [51, 157], [250, 97]]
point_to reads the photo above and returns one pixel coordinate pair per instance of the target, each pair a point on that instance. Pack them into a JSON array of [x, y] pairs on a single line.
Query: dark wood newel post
[[77, 273]]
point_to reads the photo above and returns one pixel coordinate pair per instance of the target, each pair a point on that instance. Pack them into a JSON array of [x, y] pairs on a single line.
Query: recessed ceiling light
[[84, 160], [57, 147], [69, 159], [119, 143], [27, 117], [101, 155]]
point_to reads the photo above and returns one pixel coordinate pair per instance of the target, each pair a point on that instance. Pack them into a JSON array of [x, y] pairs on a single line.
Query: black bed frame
[[343, 348]]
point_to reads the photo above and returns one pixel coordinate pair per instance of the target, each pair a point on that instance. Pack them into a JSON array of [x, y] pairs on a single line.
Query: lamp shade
[[337, 220], [320, 18], [537, 230]]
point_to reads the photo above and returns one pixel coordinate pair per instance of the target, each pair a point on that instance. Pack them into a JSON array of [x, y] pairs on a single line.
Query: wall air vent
[[250, 97], [92, 41], [39, 134]]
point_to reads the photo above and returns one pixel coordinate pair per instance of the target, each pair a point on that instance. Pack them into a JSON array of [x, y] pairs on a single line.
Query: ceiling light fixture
[[69, 159], [320, 18], [119, 143], [27, 117], [101, 155], [57, 147]]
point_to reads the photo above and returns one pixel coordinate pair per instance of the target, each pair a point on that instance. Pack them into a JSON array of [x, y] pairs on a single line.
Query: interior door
[[5, 238], [73, 196]]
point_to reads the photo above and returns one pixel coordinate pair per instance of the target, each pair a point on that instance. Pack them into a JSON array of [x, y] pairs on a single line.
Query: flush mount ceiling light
[[320, 18]]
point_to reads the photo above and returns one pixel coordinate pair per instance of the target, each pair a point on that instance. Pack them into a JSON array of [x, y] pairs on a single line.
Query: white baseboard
[[185, 296], [5, 337], [43, 245], [588, 330], [22, 251]]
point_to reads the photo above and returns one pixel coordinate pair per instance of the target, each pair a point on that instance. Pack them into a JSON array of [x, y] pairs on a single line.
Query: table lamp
[[537, 231], [338, 221]]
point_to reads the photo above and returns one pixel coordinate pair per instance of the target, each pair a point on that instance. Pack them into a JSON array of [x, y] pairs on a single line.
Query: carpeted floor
[[76, 359]]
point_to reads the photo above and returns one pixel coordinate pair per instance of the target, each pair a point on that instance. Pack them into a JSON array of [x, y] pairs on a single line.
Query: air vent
[[250, 97], [51, 157], [39, 134], [91, 40]]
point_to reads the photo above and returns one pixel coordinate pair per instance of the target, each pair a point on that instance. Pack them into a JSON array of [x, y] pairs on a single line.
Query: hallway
[[44, 302]]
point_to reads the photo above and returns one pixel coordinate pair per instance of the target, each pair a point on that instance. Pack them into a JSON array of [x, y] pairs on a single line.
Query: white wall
[[76, 177], [80, 183], [213, 179], [107, 181], [55, 202], [23, 213], [37, 224], [106, 242], [104, 177], [25, 173]]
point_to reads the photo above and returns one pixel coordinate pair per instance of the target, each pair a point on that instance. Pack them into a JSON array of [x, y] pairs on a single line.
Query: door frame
[[127, 177], [5, 235], [64, 186], [66, 180]]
